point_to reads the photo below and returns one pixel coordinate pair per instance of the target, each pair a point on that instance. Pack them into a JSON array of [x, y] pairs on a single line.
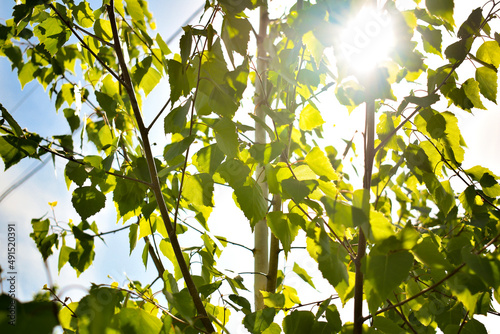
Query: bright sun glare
[[367, 39]]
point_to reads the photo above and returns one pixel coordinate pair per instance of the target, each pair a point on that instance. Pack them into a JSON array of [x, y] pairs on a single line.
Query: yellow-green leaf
[[320, 164], [310, 118]]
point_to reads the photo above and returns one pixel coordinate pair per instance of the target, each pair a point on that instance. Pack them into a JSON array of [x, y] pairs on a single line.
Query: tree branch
[[155, 182]]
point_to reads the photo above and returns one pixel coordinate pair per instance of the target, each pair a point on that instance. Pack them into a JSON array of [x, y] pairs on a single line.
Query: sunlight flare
[[367, 39]]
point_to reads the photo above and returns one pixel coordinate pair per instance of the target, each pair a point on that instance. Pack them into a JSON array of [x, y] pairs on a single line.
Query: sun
[[367, 39]]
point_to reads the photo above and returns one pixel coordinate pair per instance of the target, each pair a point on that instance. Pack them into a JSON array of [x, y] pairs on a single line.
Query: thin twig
[[158, 115], [464, 321], [113, 231], [93, 35]]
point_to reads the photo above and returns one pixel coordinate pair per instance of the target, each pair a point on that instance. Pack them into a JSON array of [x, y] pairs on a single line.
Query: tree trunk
[[261, 234]]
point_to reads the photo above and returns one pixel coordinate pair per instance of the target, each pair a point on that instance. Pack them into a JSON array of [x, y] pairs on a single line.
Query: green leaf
[[276, 300], [251, 201], [436, 126], [102, 29], [295, 189], [107, 103], [175, 121], [95, 311], [135, 10], [132, 236], [482, 267], [282, 228], [386, 325], [427, 252], [227, 138], [441, 8], [486, 179], [234, 172], [314, 46], [163, 46], [145, 254], [12, 122], [83, 14], [21, 11], [310, 118], [329, 255], [265, 153], [459, 50], [471, 88], [136, 321], [27, 73], [183, 303], [52, 34], [14, 149], [83, 254], [173, 150], [471, 26], [68, 321], [258, 321], [432, 39], [128, 196], [320, 164], [423, 102], [298, 322], [385, 273], [178, 80], [208, 159], [489, 52], [43, 240], [241, 301], [76, 172], [236, 34], [145, 76], [198, 189], [64, 254], [88, 201], [303, 274], [473, 326], [441, 192], [279, 116], [72, 118], [487, 79], [342, 213]]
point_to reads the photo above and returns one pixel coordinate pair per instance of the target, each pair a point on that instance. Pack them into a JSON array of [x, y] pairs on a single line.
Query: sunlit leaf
[[310, 118], [487, 79], [282, 228], [303, 274], [136, 320], [320, 164], [258, 321], [489, 52], [298, 322], [471, 88], [441, 8], [226, 136], [251, 201], [386, 272]]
